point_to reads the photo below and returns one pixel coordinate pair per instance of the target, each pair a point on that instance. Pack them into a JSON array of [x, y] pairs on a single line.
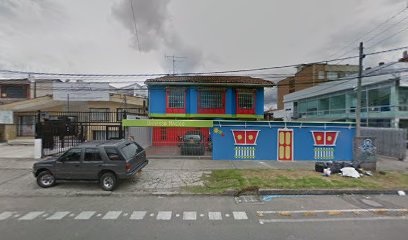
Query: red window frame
[[211, 110], [172, 109], [244, 110]]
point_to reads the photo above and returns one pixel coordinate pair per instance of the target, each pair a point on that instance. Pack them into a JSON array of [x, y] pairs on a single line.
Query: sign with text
[[81, 91], [6, 117], [166, 123]]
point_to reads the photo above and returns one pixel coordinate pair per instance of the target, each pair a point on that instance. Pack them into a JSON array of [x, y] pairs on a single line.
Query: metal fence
[[390, 142]]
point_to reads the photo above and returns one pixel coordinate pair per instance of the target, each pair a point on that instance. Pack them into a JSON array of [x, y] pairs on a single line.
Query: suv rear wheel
[[107, 181], [45, 179]]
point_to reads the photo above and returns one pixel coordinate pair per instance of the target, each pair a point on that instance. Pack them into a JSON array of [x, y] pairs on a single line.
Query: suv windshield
[[129, 150], [195, 138]]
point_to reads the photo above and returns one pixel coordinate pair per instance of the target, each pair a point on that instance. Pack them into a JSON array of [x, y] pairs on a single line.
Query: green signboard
[[166, 123]]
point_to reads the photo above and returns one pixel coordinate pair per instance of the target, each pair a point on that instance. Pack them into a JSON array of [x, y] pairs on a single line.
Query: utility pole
[[360, 75], [174, 60]]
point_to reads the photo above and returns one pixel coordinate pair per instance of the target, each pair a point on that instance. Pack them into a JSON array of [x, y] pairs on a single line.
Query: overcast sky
[[98, 36]]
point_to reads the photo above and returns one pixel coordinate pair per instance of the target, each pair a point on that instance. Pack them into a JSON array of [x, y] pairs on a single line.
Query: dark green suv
[[106, 162]]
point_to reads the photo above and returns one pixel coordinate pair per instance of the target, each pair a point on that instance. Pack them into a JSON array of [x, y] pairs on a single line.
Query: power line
[[389, 37], [134, 23], [192, 73], [366, 34]]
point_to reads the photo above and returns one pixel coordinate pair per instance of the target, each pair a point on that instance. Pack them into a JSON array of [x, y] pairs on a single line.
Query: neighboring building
[[307, 76], [99, 117], [13, 90], [384, 99], [203, 97], [134, 89]]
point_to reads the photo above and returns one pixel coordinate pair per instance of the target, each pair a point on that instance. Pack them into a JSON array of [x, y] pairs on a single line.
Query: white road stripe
[[112, 215], [138, 215], [5, 215], [31, 215], [262, 221], [214, 216], [85, 215], [189, 216], [58, 216], [240, 215], [164, 215]]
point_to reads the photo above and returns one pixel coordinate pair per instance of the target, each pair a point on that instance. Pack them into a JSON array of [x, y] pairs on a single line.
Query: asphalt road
[[155, 217]]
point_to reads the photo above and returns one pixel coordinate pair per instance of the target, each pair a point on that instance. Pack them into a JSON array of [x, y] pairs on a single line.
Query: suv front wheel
[[45, 179], [107, 181]]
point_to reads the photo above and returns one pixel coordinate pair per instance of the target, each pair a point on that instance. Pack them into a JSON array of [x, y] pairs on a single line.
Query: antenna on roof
[[174, 60]]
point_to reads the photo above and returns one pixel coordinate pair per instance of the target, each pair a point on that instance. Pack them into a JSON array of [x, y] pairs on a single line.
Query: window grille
[[175, 98], [245, 100], [211, 99]]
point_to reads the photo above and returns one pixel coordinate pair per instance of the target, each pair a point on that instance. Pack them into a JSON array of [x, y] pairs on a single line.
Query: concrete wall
[[389, 142], [282, 141]]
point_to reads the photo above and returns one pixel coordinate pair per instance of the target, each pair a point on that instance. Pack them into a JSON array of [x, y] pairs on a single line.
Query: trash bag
[[349, 172], [320, 166]]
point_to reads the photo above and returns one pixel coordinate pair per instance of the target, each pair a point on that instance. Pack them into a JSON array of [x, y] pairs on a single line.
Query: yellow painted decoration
[[281, 152], [287, 152], [281, 138], [288, 138]]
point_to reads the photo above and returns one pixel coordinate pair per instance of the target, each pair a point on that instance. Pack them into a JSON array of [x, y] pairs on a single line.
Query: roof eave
[[209, 84]]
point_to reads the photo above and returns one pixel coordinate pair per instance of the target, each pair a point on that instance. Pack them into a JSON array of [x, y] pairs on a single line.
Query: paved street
[[150, 217]]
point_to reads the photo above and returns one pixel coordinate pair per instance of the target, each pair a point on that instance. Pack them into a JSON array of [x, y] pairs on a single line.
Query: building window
[[99, 114], [175, 99], [17, 91], [403, 99], [211, 101], [321, 75], [332, 75], [379, 99], [246, 101]]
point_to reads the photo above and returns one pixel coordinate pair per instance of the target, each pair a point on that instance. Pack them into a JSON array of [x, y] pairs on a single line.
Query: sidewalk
[[383, 164], [160, 176]]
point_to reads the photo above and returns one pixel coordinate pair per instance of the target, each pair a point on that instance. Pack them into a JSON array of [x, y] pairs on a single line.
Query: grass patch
[[220, 180]]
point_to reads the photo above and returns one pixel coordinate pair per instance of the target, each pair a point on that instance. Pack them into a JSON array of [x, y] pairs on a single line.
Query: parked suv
[[106, 161], [192, 143]]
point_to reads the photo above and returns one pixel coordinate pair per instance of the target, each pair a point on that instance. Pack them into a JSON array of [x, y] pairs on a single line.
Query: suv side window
[[113, 154], [92, 155], [72, 155]]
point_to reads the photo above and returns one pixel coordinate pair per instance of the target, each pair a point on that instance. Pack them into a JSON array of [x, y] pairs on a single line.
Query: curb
[[328, 191], [230, 193]]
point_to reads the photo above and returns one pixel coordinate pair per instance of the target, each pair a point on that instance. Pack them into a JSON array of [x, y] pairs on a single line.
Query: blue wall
[[157, 100], [266, 148]]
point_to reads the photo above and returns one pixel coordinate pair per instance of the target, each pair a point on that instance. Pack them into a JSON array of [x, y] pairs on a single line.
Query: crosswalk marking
[[58, 216], [5, 215], [112, 215], [132, 215], [31, 215], [85, 215], [214, 216], [164, 215], [189, 215], [240, 215], [138, 215]]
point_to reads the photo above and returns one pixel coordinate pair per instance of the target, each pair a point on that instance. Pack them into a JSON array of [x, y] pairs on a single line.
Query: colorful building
[[203, 97]]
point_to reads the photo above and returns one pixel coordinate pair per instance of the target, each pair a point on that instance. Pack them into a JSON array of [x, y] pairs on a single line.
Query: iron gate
[[62, 131]]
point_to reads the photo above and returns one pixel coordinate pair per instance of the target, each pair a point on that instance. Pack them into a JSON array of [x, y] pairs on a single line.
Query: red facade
[[171, 136]]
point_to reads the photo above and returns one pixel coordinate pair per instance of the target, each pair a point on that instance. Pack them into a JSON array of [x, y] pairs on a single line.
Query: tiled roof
[[209, 80]]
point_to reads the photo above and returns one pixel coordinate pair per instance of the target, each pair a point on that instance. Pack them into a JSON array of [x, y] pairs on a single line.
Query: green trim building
[[384, 98]]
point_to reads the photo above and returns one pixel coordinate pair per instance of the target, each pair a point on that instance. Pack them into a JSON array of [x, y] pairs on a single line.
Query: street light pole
[[360, 74]]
